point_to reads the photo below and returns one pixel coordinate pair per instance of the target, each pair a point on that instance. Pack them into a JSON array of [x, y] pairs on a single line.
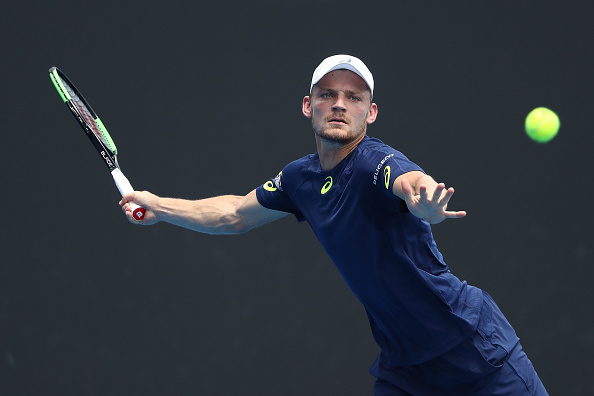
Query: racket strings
[[89, 119]]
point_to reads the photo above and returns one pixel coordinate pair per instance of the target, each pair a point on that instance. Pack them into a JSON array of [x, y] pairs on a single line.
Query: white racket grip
[[125, 187]]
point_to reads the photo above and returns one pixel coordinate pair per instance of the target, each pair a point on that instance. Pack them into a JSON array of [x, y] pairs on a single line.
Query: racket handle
[[125, 187]]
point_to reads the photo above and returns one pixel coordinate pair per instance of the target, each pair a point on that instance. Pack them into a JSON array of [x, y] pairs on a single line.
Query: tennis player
[[371, 208]]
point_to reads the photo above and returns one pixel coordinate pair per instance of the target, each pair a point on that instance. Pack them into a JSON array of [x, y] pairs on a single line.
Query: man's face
[[340, 107]]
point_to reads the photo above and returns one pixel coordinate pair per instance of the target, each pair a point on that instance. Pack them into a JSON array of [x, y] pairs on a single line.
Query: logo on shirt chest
[[327, 186]]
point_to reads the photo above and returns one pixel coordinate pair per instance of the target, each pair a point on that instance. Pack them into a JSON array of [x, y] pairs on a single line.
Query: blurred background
[[204, 98]]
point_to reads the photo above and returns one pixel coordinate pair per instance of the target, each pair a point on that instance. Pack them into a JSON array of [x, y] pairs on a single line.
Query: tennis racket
[[95, 131]]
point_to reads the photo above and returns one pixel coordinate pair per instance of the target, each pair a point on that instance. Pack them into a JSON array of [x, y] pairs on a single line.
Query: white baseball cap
[[347, 62]]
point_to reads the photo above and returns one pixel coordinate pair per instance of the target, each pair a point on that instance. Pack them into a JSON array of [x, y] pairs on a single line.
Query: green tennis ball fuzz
[[542, 125]]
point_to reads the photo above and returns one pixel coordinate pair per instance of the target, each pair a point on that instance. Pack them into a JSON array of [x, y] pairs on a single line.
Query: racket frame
[[108, 154], [97, 134]]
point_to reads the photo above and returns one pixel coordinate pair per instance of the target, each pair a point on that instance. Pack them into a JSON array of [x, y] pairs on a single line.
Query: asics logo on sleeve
[[269, 186], [327, 186], [387, 172], [273, 185]]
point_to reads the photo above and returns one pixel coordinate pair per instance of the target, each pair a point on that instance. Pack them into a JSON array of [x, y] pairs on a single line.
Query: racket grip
[[125, 187]]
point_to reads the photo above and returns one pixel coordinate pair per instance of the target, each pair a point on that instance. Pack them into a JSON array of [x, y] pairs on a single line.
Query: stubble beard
[[349, 133]]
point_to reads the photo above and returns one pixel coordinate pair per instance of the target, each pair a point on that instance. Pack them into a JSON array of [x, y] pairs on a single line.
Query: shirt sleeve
[[272, 195], [399, 164], [388, 168]]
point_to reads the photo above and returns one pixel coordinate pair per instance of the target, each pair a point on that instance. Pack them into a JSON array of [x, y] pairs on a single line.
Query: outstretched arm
[[227, 214], [424, 197]]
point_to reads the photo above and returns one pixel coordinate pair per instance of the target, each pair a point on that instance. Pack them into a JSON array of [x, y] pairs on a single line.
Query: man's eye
[[355, 98], [326, 95]]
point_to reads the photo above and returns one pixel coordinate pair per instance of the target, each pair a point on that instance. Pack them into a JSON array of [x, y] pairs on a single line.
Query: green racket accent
[[59, 86], [106, 137]]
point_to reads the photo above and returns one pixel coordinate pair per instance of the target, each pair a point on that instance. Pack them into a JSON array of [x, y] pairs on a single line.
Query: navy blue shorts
[[490, 362]]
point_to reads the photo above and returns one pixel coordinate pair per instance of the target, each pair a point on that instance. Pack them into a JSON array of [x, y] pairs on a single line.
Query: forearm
[[226, 214], [217, 215]]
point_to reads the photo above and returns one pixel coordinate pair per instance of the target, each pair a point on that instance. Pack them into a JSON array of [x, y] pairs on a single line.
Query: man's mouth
[[338, 120]]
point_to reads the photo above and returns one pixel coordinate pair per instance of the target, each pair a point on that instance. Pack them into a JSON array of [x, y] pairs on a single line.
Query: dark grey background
[[204, 99]]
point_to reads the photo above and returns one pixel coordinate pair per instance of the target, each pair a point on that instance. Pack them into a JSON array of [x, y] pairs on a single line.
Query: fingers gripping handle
[[125, 187]]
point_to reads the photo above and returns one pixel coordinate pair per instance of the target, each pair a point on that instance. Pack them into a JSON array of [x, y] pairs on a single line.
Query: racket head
[[83, 111]]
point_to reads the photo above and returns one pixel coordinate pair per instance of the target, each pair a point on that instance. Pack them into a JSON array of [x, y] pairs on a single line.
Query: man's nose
[[339, 103]]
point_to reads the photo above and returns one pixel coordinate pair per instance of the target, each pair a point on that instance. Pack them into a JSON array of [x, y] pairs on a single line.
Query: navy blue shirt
[[416, 308]]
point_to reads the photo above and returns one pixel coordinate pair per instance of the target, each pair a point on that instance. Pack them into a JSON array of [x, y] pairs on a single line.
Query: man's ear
[[372, 116], [306, 107]]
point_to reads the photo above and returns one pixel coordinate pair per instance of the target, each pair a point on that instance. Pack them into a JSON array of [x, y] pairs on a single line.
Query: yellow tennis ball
[[542, 125]]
